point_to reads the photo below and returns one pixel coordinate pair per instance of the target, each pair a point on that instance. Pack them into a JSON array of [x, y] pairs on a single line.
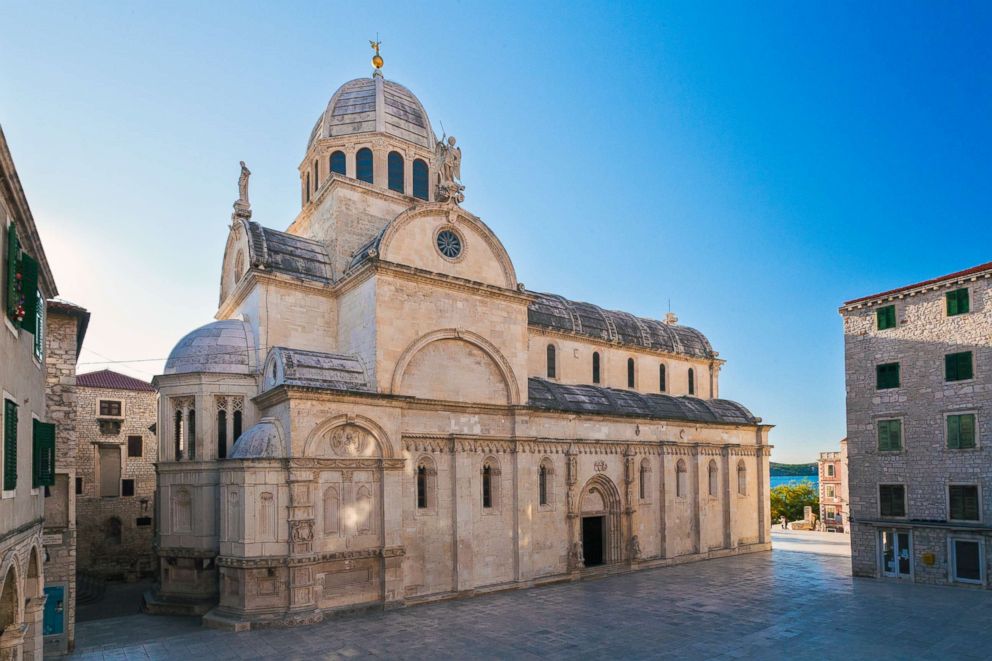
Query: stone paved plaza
[[797, 601]]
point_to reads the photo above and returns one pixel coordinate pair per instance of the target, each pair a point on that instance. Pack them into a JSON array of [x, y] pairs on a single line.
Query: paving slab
[[799, 600]]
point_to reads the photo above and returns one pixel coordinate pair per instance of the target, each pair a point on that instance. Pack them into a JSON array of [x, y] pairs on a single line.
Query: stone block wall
[[924, 334], [124, 552]]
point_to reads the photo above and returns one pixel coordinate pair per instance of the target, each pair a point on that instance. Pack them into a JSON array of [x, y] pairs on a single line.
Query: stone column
[[629, 475], [301, 523], [392, 506], [12, 642], [728, 541], [34, 612], [575, 559]]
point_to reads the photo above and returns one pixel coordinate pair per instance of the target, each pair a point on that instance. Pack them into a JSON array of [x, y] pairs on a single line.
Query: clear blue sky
[[756, 164]]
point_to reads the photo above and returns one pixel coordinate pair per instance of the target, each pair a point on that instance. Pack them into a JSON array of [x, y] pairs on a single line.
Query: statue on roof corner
[[449, 171], [242, 207]]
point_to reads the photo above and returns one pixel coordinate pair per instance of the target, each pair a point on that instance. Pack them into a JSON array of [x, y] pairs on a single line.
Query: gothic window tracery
[[449, 244], [229, 412], [490, 484], [184, 428], [426, 484], [545, 486]]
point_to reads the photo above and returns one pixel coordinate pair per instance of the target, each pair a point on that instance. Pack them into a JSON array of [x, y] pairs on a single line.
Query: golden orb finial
[[376, 59]]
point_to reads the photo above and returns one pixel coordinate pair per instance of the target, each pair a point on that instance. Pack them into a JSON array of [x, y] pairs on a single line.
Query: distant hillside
[[792, 469]]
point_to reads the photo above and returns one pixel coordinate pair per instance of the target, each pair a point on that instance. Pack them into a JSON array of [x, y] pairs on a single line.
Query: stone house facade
[[919, 422], [27, 439], [382, 414], [832, 471], [115, 475], [65, 331]]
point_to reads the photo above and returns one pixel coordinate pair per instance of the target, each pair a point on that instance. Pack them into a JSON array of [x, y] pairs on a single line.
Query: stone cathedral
[[383, 415]]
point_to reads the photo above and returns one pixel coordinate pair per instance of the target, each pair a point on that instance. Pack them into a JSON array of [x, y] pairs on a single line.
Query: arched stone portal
[[601, 530]]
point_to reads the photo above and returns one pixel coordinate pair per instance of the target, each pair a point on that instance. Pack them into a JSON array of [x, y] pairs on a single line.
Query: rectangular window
[[886, 317], [963, 502], [39, 333], [110, 407], [961, 431], [957, 366], [892, 499], [831, 513], [957, 302], [967, 560], [889, 435], [9, 445], [830, 470], [79, 486], [830, 491], [127, 487], [134, 446], [887, 376]]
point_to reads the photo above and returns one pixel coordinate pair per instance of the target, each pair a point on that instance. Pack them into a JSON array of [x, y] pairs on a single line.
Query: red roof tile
[[113, 380], [950, 276]]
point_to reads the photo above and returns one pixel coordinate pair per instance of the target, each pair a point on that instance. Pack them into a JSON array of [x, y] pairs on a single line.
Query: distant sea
[[778, 480]]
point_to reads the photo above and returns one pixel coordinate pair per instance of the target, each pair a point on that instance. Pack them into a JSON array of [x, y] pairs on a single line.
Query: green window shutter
[[895, 434], [883, 435], [958, 366], [970, 503], [956, 505], [958, 302], [9, 445], [12, 263], [953, 432], [886, 317], [887, 376], [44, 454], [29, 292], [967, 431], [965, 365], [950, 368]]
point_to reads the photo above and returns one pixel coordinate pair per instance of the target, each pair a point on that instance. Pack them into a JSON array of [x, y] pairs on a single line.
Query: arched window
[[661, 378], [316, 175], [9, 601], [692, 381], [681, 479], [222, 434], [191, 433], [714, 479], [630, 372], [741, 478], [178, 427], [544, 482], [420, 179], [595, 367], [422, 487], [332, 505], [395, 167], [490, 484], [308, 187], [237, 425], [643, 478], [363, 165], [426, 475], [551, 361], [337, 164]]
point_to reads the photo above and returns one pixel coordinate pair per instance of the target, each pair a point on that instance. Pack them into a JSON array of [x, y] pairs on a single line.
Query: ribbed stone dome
[[226, 347], [260, 441], [370, 105]]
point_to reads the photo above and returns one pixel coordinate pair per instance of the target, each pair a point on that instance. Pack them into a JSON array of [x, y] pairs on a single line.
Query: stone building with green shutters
[[919, 424], [27, 457]]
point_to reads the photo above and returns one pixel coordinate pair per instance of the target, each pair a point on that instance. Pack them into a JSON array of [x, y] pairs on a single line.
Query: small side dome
[[225, 347], [261, 441]]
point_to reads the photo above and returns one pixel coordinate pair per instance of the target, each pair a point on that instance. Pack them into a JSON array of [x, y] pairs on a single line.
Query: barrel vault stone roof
[[316, 369], [599, 400], [289, 254], [558, 313]]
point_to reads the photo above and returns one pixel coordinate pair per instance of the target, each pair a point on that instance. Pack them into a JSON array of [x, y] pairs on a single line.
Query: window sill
[[956, 382], [977, 447], [11, 493]]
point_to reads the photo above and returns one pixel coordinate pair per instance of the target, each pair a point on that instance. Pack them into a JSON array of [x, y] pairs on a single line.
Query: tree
[[788, 500]]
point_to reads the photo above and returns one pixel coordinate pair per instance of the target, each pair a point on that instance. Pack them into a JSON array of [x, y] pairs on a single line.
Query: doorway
[[896, 548], [592, 539]]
